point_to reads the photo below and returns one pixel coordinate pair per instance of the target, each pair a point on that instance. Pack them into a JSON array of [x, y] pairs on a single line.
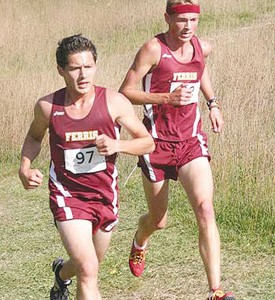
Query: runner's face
[[182, 26], [79, 72]]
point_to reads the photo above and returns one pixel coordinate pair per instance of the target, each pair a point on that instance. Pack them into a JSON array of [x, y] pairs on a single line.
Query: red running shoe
[[137, 261], [219, 294]]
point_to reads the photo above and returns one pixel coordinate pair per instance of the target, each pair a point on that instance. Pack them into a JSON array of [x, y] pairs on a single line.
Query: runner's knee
[[87, 270], [205, 213]]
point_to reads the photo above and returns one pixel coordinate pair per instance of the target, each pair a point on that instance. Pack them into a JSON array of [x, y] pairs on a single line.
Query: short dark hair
[[73, 44]]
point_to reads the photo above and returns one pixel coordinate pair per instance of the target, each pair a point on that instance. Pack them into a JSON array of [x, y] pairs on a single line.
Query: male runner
[[172, 69], [84, 122]]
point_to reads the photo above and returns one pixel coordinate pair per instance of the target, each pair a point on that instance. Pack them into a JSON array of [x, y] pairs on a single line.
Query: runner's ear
[[60, 70]]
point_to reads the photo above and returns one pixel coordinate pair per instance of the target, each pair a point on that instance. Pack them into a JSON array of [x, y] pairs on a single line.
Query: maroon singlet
[[77, 170], [166, 122]]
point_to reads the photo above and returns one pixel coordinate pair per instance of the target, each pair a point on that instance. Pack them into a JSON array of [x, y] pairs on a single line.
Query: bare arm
[[146, 59], [207, 90], [32, 178], [123, 112], [206, 86]]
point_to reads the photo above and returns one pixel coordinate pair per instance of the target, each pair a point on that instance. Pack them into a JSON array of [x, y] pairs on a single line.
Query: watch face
[[209, 103]]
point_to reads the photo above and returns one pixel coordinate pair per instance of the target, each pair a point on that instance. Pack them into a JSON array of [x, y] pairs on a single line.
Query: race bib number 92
[[194, 87]]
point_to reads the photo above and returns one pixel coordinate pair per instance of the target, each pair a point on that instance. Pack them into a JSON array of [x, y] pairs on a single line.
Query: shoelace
[[218, 293], [62, 288], [60, 294], [138, 257]]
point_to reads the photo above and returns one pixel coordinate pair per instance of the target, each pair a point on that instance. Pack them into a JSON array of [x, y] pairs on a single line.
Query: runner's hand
[[31, 178], [180, 96], [216, 119], [105, 145]]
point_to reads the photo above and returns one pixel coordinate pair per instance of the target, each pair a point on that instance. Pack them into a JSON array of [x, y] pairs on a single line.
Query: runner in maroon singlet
[[172, 69], [78, 155], [84, 123]]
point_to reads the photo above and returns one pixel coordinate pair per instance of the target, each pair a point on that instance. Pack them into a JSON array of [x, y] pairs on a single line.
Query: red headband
[[184, 8]]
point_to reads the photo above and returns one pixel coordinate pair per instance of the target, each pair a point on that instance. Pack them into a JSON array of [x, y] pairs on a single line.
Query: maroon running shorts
[[103, 216], [168, 157]]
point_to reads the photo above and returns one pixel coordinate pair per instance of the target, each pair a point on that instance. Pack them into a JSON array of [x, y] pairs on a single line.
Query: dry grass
[[30, 31], [244, 76]]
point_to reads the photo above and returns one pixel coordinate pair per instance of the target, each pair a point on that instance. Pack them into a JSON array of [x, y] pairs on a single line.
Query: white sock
[[139, 247]]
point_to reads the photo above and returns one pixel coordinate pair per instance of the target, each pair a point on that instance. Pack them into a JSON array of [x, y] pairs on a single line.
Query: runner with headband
[[172, 69]]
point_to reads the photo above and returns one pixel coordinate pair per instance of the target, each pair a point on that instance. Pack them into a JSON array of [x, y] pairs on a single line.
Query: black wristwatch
[[211, 101]]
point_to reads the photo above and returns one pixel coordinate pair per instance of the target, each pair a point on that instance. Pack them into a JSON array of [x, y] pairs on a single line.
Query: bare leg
[[156, 194], [78, 241], [196, 179], [101, 242]]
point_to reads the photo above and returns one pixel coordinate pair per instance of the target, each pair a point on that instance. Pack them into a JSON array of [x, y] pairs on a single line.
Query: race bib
[[86, 160], [195, 87]]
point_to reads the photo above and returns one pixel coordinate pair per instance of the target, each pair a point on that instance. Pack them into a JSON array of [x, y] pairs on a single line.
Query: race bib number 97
[[86, 160]]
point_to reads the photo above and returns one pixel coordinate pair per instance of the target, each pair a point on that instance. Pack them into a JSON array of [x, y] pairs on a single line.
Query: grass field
[[242, 71]]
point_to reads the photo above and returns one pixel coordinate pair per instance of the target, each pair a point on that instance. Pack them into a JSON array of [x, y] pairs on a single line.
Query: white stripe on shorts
[[113, 185], [111, 226], [67, 210], [203, 146], [150, 168]]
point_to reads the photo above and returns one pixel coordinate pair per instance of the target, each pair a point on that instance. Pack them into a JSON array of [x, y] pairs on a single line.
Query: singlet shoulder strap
[[161, 38], [59, 97], [163, 45], [100, 96], [197, 45], [58, 102]]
